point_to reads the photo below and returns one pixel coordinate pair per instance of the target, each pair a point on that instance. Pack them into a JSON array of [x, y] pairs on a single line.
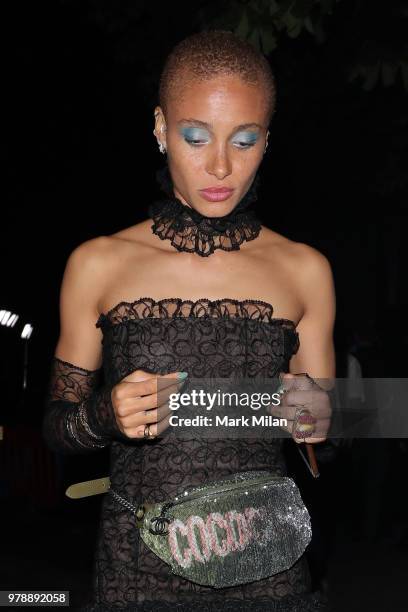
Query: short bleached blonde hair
[[211, 53]]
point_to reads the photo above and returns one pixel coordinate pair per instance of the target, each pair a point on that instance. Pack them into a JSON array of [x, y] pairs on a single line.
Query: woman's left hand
[[305, 406]]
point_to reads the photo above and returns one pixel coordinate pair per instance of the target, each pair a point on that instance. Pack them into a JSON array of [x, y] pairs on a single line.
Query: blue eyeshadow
[[193, 133], [197, 133], [247, 137]]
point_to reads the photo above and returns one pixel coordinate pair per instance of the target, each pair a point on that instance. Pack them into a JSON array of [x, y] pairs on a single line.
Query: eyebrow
[[203, 124]]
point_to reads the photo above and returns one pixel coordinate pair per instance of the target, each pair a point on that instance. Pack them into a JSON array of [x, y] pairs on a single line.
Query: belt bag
[[245, 527]]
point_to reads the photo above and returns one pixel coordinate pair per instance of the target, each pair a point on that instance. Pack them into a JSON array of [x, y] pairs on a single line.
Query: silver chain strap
[[161, 522], [124, 502]]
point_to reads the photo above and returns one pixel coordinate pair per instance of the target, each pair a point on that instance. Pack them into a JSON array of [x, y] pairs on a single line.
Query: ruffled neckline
[[175, 307], [191, 232]]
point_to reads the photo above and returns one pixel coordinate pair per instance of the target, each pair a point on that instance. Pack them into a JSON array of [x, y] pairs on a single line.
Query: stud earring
[[162, 148]]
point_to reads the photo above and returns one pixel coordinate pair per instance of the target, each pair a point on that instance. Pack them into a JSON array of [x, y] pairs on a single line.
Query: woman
[[203, 243]]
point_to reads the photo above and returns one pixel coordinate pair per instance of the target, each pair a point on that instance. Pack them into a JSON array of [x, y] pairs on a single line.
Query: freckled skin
[[224, 102]]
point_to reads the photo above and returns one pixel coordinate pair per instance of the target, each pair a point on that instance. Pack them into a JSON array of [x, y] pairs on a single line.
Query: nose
[[219, 164]]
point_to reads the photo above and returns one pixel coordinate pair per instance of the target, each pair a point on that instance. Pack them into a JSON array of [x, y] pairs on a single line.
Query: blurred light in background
[[7, 318], [27, 331]]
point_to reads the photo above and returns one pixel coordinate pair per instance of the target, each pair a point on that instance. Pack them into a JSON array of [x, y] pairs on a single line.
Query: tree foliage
[[375, 32]]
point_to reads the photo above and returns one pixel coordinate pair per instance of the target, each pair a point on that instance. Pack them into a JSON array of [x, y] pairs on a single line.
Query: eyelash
[[199, 143]]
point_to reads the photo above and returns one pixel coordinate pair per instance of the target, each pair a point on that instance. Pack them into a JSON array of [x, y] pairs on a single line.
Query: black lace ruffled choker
[[190, 231]]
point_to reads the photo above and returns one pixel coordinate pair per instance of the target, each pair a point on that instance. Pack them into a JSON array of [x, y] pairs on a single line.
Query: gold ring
[[147, 433]]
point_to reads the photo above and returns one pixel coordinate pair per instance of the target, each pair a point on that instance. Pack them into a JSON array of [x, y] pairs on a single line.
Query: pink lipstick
[[216, 194]]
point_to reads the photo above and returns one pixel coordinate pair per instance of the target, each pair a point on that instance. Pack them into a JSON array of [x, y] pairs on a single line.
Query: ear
[[266, 141], [160, 126]]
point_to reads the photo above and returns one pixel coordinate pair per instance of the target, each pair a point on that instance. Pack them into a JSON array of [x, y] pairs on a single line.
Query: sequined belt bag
[[245, 527]]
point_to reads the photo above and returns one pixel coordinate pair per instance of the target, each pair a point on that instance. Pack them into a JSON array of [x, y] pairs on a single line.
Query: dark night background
[[79, 86]]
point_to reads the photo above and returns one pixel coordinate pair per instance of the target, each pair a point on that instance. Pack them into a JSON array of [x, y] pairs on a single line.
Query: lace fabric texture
[[219, 338], [190, 231], [206, 338], [312, 602], [175, 222], [79, 415]]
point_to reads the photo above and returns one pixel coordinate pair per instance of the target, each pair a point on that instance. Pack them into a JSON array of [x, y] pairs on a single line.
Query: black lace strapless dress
[[222, 338]]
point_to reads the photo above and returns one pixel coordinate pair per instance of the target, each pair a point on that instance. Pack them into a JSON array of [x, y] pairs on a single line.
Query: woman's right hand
[[139, 400]]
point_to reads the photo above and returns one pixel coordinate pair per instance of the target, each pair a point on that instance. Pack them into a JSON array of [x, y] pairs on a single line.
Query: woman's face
[[215, 136]]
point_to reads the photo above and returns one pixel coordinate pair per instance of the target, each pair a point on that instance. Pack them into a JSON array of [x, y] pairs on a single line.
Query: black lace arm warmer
[[79, 416]]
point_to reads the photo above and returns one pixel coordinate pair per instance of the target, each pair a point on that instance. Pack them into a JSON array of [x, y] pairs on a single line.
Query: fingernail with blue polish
[[182, 375]]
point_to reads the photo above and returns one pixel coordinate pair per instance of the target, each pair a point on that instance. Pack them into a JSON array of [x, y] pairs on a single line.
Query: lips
[[216, 194]]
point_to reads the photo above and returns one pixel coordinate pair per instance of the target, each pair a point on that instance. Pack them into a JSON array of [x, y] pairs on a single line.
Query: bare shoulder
[[91, 265], [140, 233], [105, 251], [314, 280], [303, 258], [310, 260], [89, 256]]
